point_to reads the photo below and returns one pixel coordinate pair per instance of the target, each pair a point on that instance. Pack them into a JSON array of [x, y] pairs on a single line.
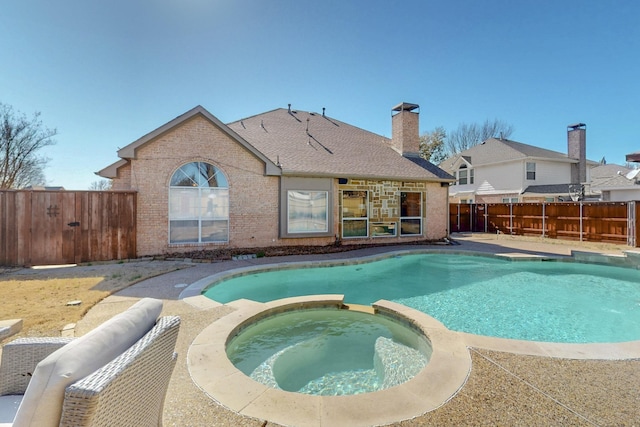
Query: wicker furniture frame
[[128, 391]]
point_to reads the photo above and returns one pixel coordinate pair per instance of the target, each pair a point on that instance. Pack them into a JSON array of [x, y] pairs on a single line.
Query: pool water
[[529, 300], [329, 352]]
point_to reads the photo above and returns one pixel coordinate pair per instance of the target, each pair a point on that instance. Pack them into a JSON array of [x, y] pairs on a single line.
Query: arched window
[[198, 204]]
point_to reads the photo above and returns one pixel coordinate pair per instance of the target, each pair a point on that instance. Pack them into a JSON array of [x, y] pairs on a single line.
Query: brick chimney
[[405, 133], [577, 149]]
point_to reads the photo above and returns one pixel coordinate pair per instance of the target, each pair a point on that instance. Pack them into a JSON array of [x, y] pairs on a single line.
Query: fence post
[[511, 218], [458, 217], [544, 204], [486, 217], [631, 223], [581, 221]]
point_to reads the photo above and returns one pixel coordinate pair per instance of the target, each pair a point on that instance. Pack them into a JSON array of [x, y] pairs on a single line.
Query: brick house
[[283, 177]]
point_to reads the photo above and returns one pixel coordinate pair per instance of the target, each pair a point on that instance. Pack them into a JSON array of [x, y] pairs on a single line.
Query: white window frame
[[347, 219], [195, 203], [468, 175], [530, 168], [411, 218], [316, 223]]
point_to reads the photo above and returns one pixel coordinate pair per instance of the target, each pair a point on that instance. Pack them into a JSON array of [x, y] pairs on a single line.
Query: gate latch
[[74, 224]]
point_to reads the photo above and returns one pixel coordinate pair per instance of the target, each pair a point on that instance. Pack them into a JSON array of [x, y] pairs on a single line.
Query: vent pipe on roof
[[289, 108], [322, 111]]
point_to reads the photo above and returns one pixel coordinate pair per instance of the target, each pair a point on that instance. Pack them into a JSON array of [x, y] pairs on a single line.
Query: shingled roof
[[301, 143], [311, 144]]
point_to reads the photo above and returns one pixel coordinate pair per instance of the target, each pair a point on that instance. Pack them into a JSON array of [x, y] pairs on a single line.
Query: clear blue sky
[[104, 73]]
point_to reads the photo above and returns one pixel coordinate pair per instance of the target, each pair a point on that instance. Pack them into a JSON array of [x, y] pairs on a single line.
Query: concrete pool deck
[[504, 387]]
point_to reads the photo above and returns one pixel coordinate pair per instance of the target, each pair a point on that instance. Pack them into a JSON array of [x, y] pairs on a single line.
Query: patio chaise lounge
[[115, 375]]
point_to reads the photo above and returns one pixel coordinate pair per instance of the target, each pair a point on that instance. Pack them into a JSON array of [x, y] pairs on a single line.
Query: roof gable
[[129, 152]]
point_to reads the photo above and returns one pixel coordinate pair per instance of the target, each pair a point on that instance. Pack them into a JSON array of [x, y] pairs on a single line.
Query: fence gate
[[66, 227]]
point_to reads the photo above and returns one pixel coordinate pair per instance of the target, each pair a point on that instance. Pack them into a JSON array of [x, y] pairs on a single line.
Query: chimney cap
[[577, 126], [405, 106]]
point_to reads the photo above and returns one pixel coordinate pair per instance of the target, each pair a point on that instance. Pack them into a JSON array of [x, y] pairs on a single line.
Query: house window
[[410, 214], [465, 175], [198, 204], [510, 200], [306, 207], [531, 171], [355, 214], [307, 211]]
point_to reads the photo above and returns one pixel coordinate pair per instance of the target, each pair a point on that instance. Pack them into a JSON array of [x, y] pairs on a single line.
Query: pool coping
[[598, 351], [440, 380]]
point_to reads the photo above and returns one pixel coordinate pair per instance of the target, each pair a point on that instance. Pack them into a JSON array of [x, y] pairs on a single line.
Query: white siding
[[548, 173], [503, 177], [623, 195]]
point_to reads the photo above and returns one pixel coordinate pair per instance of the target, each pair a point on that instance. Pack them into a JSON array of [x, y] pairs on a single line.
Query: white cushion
[[42, 403], [8, 408]]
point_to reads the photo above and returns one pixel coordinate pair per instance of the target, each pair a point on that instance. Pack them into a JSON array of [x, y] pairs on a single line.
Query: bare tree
[[20, 140], [101, 185], [468, 135], [432, 145]]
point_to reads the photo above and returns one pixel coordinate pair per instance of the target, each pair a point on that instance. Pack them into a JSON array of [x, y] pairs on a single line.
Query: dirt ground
[[41, 296]]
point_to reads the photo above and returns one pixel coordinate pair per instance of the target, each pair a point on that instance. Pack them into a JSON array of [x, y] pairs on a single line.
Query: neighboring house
[[504, 171], [633, 157], [43, 188], [284, 177], [615, 183]]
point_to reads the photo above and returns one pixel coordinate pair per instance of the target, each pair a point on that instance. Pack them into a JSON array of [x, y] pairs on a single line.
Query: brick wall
[[253, 197]]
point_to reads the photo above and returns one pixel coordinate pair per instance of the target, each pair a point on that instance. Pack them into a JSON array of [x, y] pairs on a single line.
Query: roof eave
[[363, 176], [111, 171]]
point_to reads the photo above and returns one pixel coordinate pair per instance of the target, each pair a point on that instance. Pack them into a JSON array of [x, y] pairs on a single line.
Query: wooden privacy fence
[[66, 227], [614, 222]]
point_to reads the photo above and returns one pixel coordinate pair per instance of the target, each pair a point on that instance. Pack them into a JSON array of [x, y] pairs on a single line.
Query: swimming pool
[[529, 300]]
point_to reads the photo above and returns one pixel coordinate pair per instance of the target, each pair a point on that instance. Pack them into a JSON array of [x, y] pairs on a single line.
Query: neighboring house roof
[[495, 150], [627, 180], [311, 144], [608, 170], [604, 173], [44, 188], [547, 189]]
